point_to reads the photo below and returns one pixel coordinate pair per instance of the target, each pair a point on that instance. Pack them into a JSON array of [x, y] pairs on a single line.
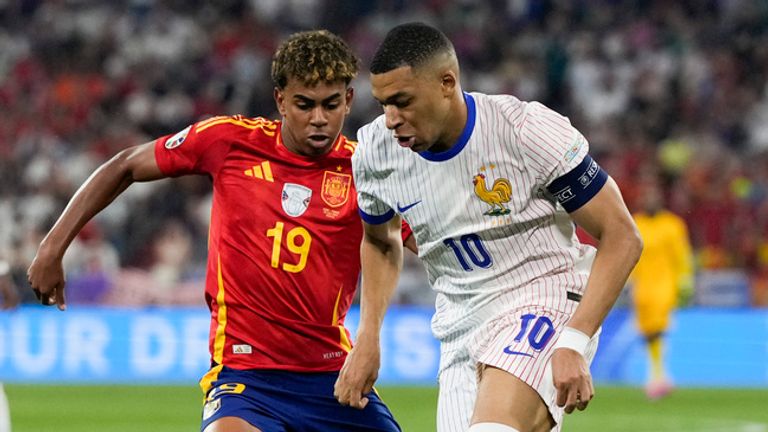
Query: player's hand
[[358, 374], [685, 291], [570, 374], [46, 277]]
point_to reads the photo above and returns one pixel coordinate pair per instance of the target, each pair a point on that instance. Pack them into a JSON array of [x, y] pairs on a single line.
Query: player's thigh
[[231, 424], [505, 398], [458, 391], [520, 343]]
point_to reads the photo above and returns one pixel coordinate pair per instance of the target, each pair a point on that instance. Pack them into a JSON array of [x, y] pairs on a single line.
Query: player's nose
[[392, 117], [318, 117]]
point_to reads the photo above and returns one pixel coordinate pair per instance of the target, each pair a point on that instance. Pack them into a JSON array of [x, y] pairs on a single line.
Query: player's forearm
[[101, 188], [617, 254], [381, 262]]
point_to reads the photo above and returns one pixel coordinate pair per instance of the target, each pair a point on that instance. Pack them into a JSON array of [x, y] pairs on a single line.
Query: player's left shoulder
[[345, 148], [374, 141], [236, 125]]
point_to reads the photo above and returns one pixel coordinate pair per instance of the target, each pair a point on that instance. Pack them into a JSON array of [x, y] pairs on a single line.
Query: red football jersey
[[284, 243]]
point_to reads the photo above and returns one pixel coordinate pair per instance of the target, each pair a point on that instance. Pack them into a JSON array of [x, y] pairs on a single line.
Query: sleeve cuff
[[376, 219]]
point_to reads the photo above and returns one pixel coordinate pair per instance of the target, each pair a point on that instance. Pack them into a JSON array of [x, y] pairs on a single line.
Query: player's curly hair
[[313, 57]]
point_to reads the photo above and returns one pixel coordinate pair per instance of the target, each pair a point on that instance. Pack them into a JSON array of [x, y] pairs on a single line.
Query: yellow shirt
[[666, 258]]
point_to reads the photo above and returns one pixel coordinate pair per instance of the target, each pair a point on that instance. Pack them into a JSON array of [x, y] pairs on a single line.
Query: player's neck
[[455, 123]]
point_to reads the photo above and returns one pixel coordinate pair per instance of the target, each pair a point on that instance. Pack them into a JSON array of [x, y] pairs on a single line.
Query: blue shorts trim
[[279, 401]]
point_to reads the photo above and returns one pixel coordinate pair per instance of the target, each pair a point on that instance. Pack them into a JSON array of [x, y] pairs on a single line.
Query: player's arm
[[605, 217], [381, 255], [683, 261], [134, 164]]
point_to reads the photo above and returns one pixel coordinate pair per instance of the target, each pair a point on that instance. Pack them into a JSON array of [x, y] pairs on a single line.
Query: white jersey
[[487, 229]]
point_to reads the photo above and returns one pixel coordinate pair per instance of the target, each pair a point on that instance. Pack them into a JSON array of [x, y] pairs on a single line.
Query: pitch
[[43, 408]]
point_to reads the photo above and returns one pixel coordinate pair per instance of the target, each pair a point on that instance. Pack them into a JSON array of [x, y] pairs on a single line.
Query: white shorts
[[519, 341]]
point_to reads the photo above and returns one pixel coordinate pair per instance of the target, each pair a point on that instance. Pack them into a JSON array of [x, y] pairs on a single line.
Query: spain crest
[[335, 191]]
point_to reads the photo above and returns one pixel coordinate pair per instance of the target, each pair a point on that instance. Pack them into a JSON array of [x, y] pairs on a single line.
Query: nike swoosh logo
[[403, 209], [507, 350]]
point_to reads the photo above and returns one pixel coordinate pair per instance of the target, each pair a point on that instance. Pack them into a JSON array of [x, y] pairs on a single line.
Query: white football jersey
[[487, 229]]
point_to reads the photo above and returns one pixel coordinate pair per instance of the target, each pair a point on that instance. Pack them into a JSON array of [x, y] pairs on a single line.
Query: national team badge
[[177, 139], [295, 199], [498, 195], [335, 191]]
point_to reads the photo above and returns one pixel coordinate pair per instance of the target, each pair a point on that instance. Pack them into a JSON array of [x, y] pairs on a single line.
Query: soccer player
[[9, 299], [662, 278], [487, 183], [283, 250]]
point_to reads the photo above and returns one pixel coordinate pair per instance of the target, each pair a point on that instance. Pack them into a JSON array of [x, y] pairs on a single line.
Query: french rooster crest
[[499, 194]]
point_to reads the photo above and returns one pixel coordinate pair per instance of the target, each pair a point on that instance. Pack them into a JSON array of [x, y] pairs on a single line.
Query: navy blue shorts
[[279, 401]]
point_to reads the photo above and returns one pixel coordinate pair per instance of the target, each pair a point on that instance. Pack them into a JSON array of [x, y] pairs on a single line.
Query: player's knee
[[491, 427]]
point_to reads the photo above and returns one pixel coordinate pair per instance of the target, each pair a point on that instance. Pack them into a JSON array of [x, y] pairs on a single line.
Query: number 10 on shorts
[[541, 331]]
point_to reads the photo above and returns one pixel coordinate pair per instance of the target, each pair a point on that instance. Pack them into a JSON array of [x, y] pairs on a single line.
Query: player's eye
[[332, 106]]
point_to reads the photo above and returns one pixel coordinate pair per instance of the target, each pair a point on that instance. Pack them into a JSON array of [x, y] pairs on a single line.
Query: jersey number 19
[[301, 249]]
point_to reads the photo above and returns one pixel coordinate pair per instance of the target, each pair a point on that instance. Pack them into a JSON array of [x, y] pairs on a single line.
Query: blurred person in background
[[661, 280], [283, 251], [91, 264], [9, 299]]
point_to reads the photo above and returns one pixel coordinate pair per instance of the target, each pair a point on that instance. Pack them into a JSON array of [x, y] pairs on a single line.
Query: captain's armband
[[578, 186]]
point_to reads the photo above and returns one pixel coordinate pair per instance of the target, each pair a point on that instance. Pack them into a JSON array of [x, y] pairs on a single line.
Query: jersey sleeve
[[552, 145], [559, 156], [191, 152], [373, 210]]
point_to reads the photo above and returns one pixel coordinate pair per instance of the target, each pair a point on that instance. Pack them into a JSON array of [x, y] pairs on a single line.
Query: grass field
[[38, 408]]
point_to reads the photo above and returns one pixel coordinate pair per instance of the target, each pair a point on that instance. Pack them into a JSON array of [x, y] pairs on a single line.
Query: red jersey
[[284, 243]]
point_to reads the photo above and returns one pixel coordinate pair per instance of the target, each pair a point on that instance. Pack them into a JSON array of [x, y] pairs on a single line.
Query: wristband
[[572, 339]]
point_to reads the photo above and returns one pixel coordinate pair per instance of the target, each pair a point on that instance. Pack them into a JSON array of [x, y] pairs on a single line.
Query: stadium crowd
[[674, 91]]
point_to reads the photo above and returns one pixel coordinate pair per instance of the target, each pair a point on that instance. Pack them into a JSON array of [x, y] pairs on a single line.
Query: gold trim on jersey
[[346, 345], [267, 126], [220, 338], [350, 146], [219, 341], [207, 381]]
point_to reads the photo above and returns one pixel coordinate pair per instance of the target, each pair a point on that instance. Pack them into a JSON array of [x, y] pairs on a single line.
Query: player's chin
[[318, 145], [419, 146]]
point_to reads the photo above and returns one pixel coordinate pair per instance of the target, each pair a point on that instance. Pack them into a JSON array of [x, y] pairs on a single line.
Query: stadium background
[[669, 89]]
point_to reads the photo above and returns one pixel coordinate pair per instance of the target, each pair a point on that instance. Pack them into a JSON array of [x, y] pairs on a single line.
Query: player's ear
[[348, 98], [448, 82], [280, 101]]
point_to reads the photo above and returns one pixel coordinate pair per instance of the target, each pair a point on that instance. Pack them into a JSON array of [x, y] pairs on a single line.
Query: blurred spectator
[[91, 264]]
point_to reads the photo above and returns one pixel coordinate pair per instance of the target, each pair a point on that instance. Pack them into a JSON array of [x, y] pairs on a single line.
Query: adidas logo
[[261, 172]]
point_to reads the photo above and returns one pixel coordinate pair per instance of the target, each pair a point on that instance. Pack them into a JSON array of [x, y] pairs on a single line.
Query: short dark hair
[[411, 44], [313, 57]]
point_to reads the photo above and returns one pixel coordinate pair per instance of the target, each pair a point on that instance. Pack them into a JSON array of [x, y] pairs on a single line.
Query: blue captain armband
[[578, 186]]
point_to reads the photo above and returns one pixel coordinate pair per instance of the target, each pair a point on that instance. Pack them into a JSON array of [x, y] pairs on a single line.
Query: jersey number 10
[[470, 246], [300, 249]]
